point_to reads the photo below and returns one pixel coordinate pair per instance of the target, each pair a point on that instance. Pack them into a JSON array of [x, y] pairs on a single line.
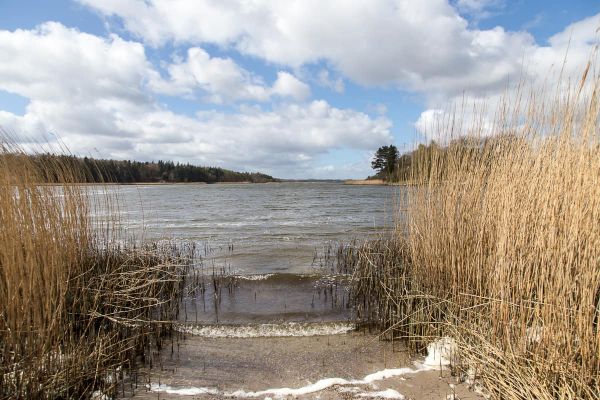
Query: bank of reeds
[[502, 249], [78, 309]]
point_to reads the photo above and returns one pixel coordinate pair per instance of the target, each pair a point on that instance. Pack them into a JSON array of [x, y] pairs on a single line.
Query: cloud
[[422, 46], [102, 91], [544, 71], [326, 80], [73, 80], [288, 85], [480, 9], [221, 80], [97, 94], [584, 33], [60, 62], [381, 42], [288, 135], [444, 125], [416, 42]]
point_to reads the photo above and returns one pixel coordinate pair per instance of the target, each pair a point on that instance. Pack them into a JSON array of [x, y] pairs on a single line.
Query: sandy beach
[[324, 367]]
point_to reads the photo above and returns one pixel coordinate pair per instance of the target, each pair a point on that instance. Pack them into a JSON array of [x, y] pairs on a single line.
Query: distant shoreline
[[365, 182], [375, 182], [154, 183]]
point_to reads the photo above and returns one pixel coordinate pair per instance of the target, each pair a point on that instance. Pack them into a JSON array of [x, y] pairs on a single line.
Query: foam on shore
[[288, 329]]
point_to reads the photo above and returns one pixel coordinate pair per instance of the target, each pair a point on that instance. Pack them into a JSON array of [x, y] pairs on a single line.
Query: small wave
[[282, 278], [256, 277], [288, 329]]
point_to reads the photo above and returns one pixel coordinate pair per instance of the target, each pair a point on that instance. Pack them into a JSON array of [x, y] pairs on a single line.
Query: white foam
[[293, 329], [256, 277], [281, 392], [440, 353], [184, 391], [308, 389], [384, 394]]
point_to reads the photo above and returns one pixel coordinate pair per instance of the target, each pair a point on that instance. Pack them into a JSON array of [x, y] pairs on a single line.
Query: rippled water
[[269, 239], [272, 228]]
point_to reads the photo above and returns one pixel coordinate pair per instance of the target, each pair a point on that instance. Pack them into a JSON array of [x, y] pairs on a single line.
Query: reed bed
[[501, 248], [78, 308]]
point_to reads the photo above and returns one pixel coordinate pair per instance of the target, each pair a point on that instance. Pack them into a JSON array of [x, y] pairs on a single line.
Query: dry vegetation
[[77, 310], [500, 249]]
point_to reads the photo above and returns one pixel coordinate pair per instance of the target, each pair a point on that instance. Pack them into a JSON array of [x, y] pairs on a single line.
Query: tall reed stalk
[[77, 309], [502, 248]]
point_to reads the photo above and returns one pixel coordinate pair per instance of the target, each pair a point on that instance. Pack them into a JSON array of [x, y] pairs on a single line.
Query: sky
[[295, 88]]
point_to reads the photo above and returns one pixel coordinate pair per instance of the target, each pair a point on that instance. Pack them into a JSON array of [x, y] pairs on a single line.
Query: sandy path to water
[[224, 367]]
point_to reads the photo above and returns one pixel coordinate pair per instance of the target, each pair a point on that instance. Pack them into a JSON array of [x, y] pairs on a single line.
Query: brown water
[[271, 298]]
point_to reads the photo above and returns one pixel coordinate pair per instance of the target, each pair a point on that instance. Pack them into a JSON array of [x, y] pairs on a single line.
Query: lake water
[[258, 228], [269, 239], [272, 238]]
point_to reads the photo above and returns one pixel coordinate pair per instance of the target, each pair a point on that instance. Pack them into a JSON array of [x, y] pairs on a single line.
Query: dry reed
[[77, 309], [502, 249]]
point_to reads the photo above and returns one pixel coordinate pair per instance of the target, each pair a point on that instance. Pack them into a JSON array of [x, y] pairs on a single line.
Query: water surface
[[258, 228]]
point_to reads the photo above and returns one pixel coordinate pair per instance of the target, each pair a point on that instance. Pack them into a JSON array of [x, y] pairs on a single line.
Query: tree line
[[391, 166], [93, 170]]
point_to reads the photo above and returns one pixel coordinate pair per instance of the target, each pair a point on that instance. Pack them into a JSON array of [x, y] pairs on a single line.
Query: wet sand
[[224, 366]]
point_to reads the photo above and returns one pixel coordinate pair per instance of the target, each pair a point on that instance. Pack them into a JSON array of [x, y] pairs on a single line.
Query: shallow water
[[270, 240], [271, 298]]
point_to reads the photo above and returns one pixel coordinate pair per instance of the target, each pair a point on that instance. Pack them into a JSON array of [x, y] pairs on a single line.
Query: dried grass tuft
[[78, 308]]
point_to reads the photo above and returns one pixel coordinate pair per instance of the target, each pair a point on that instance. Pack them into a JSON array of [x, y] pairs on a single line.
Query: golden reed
[[77, 309], [498, 247]]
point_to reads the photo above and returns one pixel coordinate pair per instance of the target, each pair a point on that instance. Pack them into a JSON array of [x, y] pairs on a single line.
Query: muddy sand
[[354, 365]]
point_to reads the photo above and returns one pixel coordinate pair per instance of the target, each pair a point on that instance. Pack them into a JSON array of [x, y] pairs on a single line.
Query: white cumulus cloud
[[424, 46], [545, 71], [221, 80], [379, 42], [97, 94], [288, 85]]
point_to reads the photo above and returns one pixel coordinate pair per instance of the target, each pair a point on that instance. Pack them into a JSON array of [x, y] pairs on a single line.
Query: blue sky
[[297, 89]]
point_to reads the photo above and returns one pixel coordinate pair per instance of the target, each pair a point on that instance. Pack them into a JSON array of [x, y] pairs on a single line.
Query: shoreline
[[365, 182], [375, 182], [351, 365], [152, 183]]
